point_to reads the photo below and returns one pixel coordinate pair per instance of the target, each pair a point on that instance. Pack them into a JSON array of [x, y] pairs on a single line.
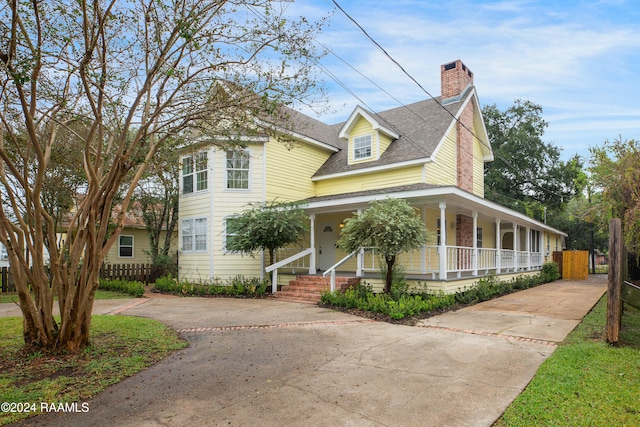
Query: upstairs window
[[194, 168], [362, 147], [125, 247], [238, 166]]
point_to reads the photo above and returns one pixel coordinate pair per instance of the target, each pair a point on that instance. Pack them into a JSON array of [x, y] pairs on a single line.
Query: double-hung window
[[238, 167], [194, 168], [194, 235], [125, 246], [362, 147], [231, 233], [3, 252]]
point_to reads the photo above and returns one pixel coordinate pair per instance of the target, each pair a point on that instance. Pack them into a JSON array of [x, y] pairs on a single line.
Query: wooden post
[[617, 259]]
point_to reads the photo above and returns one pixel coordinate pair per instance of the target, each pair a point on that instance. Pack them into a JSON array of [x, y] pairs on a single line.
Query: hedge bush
[[399, 304], [132, 288], [238, 286]]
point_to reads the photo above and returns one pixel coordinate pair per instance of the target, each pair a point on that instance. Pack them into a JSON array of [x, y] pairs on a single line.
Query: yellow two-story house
[[431, 153]]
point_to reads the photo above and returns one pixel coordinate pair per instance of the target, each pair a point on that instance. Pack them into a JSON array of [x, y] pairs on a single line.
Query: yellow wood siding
[[216, 204], [478, 169], [443, 170], [385, 141], [488, 233], [228, 203], [289, 171], [382, 179]]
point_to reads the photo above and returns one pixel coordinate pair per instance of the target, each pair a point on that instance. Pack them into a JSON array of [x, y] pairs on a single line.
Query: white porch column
[[498, 245], [360, 256], [515, 247], [474, 261], [423, 250], [528, 239], [443, 241], [312, 244]]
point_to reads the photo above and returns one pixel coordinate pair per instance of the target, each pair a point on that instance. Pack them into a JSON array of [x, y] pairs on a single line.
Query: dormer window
[[362, 147]]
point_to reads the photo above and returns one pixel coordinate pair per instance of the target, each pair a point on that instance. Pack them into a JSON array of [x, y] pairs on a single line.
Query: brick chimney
[[454, 78]]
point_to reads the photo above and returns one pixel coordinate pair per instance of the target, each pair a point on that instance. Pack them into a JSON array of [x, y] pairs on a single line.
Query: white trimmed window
[[362, 147], [238, 167], [3, 252], [194, 168], [479, 237], [230, 230], [534, 245], [194, 235], [125, 246]]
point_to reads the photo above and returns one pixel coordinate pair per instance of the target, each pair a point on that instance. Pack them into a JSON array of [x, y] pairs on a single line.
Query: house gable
[[367, 138]]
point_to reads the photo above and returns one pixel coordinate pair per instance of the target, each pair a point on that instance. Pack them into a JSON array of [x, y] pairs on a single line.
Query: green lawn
[[121, 347], [585, 382]]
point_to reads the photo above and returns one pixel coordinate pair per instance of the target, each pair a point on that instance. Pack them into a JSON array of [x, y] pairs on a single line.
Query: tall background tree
[[615, 173], [157, 199], [134, 74], [392, 226], [527, 174]]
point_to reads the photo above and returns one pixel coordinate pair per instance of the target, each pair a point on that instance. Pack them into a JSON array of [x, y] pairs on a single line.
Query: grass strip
[[585, 382]]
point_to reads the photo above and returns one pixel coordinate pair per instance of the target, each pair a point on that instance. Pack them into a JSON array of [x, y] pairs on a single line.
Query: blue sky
[[579, 60]]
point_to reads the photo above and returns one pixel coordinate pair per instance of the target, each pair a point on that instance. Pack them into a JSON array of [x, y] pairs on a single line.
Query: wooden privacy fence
[[575, 265], [6, 280], [145, 273]]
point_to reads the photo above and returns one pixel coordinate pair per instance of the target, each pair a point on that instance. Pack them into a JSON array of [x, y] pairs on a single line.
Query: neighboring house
[[133, 246], [4, 257], [431, 153]]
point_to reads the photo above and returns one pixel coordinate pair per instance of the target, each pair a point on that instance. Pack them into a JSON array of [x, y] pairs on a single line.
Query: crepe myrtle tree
[[112, 81], [392, 226], [266, 226]]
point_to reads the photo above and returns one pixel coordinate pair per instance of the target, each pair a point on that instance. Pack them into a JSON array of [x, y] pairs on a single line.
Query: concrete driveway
[[271, 363]]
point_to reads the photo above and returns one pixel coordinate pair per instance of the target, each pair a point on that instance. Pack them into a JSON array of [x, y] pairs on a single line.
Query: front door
[[327, 238]]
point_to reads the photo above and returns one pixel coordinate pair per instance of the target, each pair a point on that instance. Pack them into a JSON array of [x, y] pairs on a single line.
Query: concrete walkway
[[270, 363]]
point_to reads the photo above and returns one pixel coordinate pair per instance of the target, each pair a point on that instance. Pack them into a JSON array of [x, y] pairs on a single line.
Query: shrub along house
[[431, 153]]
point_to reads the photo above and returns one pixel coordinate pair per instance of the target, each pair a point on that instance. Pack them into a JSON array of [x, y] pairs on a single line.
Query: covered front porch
[[469, 238]]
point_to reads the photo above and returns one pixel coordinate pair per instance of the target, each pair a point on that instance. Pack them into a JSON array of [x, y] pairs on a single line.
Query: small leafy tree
[[267, 226], [391, 226], [157, 198]]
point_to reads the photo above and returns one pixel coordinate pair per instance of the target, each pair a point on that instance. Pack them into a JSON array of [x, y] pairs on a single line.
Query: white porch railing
[[460, 260], [332, 270], [301, 263], [285, 262]]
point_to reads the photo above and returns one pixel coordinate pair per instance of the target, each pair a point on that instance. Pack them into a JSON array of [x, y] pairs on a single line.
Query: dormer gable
[[366, 137]]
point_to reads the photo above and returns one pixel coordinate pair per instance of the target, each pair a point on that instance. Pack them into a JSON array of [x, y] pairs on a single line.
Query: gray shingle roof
[[421, 127], [409, 187]]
